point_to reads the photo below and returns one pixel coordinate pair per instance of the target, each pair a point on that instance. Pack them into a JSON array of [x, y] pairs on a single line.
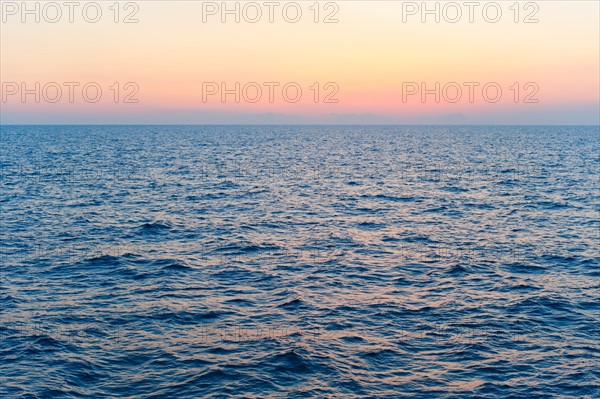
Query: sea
[[300, 262]]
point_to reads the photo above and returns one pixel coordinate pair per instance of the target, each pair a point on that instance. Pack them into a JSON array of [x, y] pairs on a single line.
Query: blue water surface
[[299, 262]]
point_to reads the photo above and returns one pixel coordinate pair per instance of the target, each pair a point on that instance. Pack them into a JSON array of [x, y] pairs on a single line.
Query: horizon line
[[285, 124]]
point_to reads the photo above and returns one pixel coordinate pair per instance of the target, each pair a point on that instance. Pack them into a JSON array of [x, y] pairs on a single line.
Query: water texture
[[299, 262]]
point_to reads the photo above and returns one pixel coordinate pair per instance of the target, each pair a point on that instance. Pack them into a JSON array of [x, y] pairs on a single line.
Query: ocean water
[[299, 262]]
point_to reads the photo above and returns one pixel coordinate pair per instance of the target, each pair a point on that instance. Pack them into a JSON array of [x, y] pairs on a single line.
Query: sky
[[304, 62]]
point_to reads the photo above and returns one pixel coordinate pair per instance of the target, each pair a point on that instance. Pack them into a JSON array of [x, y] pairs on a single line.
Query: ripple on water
[[301, 262]]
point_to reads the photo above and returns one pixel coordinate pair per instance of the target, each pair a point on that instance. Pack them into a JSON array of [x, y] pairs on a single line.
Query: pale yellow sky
[[369, 53]]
